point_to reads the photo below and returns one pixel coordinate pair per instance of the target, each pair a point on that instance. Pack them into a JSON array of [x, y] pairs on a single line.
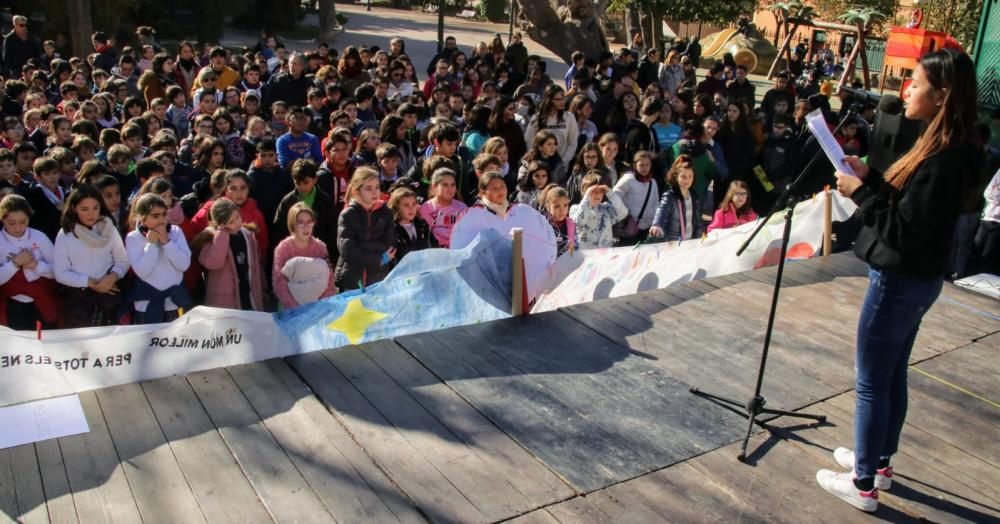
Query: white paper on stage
[[817, 125], [41, 420]]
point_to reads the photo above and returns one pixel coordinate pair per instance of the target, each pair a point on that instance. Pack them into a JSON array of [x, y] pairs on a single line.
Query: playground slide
[[719, 42]]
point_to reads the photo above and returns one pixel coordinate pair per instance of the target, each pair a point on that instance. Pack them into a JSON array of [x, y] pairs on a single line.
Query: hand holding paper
[[817, 125]]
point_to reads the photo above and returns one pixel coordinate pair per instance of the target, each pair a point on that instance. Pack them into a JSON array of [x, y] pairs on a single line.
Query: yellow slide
[[719, 42]]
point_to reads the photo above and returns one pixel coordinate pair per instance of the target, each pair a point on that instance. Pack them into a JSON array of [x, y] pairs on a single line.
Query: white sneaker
[[842, 485], [883, 476]]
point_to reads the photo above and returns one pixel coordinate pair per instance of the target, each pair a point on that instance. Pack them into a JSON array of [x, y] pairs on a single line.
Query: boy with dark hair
[[337, 169], [387, 159], [318, 112], [297, 142], [8, 173], [24, 158], [363, 97], [46, 197], [268, 182], [178, 114], [444, 138], [121, 165], [304, 176], [132, 136], [780, 91], [111, 193]]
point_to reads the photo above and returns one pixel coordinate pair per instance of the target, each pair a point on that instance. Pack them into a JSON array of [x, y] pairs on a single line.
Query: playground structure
[[750, 49], [905, 47]]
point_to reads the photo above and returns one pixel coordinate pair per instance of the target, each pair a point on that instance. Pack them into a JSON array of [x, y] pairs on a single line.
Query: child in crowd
[[306, 190], [159, 256], [366, 234], [46, 197], [493, 194], [27, 288], [735, 209], [545, 150], [639, 191], [302, 272], [679, 215], [595, 218], [89, 260], [413, 233], [268, 182], [555, 201], [530, 187], [442, 210], [235, 274], [112, 197]]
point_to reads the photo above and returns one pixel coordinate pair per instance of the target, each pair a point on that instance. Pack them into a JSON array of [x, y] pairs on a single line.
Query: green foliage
[[710, 11], [830, 10], [493, 10], [863, 17], [959, 18]]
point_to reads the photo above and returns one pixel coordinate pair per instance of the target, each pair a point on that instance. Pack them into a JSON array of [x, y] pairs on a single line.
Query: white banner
[[587, 275], [74, 360]]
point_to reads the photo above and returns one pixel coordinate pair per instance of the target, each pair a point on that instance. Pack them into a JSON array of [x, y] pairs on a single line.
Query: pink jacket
[[249, 212], [726, 218], [285, 251], [222, 288]]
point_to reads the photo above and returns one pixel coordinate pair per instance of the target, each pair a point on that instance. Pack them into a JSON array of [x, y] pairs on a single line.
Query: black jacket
[[910, 230], [17, 52], [45, 215], [268, 189], [404, 244], [670, 216], [288, 89], [362, 238]]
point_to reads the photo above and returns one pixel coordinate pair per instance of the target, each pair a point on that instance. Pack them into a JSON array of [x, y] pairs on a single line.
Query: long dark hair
[[954, 72], [496, 117], [480, 120], [548, 105], [81, 193], [387, 132]]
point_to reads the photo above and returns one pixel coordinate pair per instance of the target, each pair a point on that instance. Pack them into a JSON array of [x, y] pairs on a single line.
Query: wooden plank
[[395, 499], [345, 493], [651, 498], [940, 409], [222, 489], [101, 492], [565, 439], [648, 411], [430, 491], [539, 516], [504, 456], [492, 493], [652, 409], [28, 483], [975, 368], [578, 509], [59, 497], [273, 476], [9, 511], [157, 483], [705, 491]]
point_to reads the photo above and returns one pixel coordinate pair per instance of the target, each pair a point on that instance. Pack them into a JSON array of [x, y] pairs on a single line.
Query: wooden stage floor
[[577, 415]]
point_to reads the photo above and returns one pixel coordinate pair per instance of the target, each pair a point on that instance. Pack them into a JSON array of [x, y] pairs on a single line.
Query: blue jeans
[[890, 317]]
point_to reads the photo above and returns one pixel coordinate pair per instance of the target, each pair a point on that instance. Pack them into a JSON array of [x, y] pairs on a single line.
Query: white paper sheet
[[817, 125], [41, 420]]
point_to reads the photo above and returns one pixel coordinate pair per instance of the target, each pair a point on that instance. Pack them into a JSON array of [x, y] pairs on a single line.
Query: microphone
[[894, 134]]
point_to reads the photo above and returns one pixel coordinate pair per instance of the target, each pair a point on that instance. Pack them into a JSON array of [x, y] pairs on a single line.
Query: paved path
[[418, 29]]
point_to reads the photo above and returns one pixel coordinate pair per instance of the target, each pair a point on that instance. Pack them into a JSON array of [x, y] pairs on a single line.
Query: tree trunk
[[81, 26], [784, 47], [864, 62], [327, 20], [562, 38], [848, 76]]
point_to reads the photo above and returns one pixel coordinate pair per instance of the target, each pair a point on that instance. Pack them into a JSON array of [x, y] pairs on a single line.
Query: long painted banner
[[590, 275], [431, 289]]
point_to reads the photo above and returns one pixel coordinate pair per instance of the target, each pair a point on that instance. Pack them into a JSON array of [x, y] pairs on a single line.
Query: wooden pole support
[[517, 265], [827, 222]]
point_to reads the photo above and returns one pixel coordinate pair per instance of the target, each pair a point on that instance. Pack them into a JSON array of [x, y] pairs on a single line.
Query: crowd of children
[[137, 182]]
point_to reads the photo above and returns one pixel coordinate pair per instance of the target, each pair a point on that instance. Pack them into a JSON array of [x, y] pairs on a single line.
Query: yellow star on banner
[[355, 321]]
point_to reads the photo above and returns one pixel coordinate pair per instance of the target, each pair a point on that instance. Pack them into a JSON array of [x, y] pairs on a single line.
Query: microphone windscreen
[[890, 104]]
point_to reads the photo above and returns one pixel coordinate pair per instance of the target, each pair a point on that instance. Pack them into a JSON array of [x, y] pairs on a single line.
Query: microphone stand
[[756, 405]]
